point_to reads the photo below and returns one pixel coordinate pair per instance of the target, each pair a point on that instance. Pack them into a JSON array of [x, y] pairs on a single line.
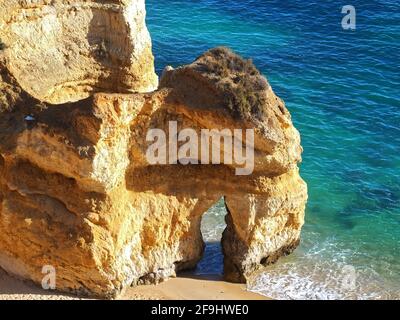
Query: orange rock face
[[65, 50], [78, 193]]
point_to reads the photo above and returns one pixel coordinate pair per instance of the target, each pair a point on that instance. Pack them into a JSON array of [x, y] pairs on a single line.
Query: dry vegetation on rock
[[241, 84]]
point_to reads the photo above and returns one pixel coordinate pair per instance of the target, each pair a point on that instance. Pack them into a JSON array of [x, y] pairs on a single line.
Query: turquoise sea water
[[343, 91]]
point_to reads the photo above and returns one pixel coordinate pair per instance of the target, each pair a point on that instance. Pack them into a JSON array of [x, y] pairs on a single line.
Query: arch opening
[[212, 226]]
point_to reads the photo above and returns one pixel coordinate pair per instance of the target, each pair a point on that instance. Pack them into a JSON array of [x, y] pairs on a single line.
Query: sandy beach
[[185, 287]]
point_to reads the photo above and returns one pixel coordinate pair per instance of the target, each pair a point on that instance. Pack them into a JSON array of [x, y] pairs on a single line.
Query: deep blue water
[[342, 88]]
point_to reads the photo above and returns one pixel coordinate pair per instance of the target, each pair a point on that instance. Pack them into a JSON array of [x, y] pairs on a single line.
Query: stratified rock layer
[[77, 191], [64, 50]]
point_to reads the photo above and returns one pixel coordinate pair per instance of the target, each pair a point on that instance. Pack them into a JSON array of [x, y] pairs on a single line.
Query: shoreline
[[186, 286]]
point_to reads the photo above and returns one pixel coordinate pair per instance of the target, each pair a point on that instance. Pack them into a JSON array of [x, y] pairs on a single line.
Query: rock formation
[[76, 189], [64, 50]]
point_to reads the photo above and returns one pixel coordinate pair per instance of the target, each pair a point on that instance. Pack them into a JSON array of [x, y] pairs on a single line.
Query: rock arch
[[77, 192]]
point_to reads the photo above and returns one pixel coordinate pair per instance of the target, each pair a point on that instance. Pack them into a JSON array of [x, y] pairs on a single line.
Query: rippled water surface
[[343, 91]]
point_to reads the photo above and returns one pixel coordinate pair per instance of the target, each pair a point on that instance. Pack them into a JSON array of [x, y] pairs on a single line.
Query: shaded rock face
[[64, 50], [78, 193]]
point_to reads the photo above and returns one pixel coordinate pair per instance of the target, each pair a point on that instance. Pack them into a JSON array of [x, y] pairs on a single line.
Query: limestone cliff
[[76, 189], [64, 50]]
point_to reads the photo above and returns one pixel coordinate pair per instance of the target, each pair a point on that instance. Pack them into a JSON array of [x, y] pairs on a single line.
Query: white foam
[[322, 273]]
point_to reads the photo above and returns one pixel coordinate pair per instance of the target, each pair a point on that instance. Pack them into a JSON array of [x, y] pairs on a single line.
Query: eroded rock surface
[[78, 193], [64, 50]]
